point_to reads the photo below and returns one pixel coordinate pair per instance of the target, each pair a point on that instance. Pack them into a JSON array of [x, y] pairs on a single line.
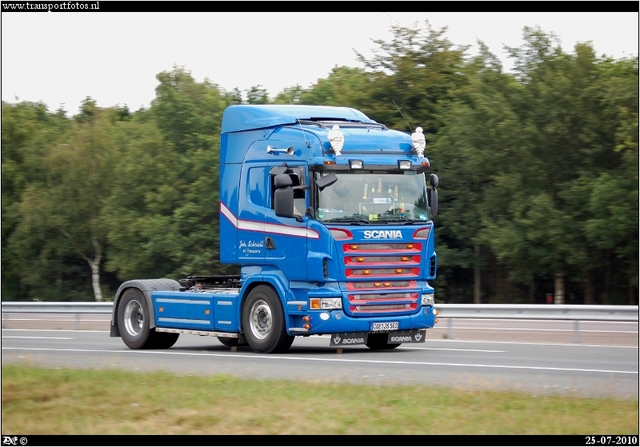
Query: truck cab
[[329, 216]]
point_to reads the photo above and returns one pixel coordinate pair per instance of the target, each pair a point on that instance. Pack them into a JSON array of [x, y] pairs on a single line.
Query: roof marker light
[[404, 164], [356, 164]]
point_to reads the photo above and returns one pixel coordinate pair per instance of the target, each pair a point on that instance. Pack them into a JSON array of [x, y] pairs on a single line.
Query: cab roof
[[250, 117]]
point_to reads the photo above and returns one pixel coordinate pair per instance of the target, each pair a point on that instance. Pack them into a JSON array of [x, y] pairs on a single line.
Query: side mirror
[[283, 202], [433, 180], [433, 201]]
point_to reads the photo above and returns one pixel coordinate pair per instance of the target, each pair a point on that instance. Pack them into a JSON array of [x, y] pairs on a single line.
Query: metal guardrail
[[572, 312], [54, 307], [539, 312]]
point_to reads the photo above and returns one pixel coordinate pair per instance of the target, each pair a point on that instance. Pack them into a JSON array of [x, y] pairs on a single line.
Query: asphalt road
[[485, 354]]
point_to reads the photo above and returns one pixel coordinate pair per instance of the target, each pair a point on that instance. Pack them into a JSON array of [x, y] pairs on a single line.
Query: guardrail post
[[5, 321], [576, 331], [77, 322], [450, 329]]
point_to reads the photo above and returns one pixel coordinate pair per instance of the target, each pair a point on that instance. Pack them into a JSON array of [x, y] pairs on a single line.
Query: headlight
[[325, 303], [428, 299]]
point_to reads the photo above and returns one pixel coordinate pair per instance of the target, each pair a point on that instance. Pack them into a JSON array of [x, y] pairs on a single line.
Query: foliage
[[538, 170]]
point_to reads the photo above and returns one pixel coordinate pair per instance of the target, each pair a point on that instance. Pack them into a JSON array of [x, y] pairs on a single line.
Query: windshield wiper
[[397, 219], [349, 219]]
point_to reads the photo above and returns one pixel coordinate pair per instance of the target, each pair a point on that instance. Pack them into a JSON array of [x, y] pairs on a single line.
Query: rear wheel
[[263, 321], [379, 341], [134, 325]]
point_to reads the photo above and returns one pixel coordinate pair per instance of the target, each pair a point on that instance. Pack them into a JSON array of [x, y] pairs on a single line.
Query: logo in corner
[[13, 440]]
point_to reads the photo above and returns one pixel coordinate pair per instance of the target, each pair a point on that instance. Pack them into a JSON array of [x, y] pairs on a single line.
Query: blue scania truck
[[328, 214]]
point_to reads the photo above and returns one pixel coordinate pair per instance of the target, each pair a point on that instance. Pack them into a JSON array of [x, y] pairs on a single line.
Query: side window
[[256, 186]]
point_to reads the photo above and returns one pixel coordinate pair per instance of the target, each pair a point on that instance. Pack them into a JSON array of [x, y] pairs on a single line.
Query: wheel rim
[[261, 320], [133, 318]]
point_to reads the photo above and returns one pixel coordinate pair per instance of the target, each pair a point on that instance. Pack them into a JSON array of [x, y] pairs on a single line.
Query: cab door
[[286, 237]]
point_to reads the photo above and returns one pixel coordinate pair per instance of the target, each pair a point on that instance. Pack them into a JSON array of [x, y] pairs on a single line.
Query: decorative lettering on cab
[[251, 247]]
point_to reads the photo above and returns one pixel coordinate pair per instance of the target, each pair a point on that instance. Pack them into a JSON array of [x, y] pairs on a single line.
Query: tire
[[133, 322], [378, 342], [263, 321]]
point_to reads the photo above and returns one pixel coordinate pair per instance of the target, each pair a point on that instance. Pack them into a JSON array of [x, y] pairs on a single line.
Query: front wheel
[[379, 341], [263, 321]]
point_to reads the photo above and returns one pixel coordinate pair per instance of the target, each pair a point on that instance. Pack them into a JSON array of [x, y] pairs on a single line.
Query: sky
[[61, 58]]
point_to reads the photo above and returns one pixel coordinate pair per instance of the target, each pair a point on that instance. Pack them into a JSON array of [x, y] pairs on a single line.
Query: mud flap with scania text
[[360, 338]]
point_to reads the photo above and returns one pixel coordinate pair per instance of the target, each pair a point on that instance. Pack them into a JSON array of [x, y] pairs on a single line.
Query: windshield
[[374, 197]]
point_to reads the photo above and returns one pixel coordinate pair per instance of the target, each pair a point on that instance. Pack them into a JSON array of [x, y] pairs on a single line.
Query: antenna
[[301, 128], [405, 120]]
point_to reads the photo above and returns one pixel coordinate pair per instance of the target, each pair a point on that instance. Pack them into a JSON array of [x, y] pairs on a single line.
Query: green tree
[[27, 131], [138, 211], [345, 87], [257, 95], [480, 131], [164, 213], [68, 200], [565, 141], [417, 71], [290, 95], [188, 113]]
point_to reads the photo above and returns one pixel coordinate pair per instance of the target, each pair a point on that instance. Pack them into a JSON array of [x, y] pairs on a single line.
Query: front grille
[[382, 277]]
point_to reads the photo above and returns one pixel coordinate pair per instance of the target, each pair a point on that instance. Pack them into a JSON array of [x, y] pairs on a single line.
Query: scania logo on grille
[[382, 234]]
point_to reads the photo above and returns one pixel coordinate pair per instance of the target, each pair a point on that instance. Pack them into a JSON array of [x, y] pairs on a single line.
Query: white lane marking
[[315, 359], [521, 329], [45, 338], [53, 320], [75, 331], [450, 349], [429, 340]]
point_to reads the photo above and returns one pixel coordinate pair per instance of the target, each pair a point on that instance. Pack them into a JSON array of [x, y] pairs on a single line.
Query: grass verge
[[70, 401]]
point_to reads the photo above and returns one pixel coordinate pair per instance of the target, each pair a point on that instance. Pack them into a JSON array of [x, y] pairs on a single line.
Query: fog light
[[325, 303]]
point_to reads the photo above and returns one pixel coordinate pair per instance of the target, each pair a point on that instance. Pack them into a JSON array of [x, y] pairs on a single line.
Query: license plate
[[391, 326]]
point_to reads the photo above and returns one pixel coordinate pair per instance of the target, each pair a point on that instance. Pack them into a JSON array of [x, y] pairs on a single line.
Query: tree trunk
[[95, 269], [95, 280], [477, 289], [559, 289]]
